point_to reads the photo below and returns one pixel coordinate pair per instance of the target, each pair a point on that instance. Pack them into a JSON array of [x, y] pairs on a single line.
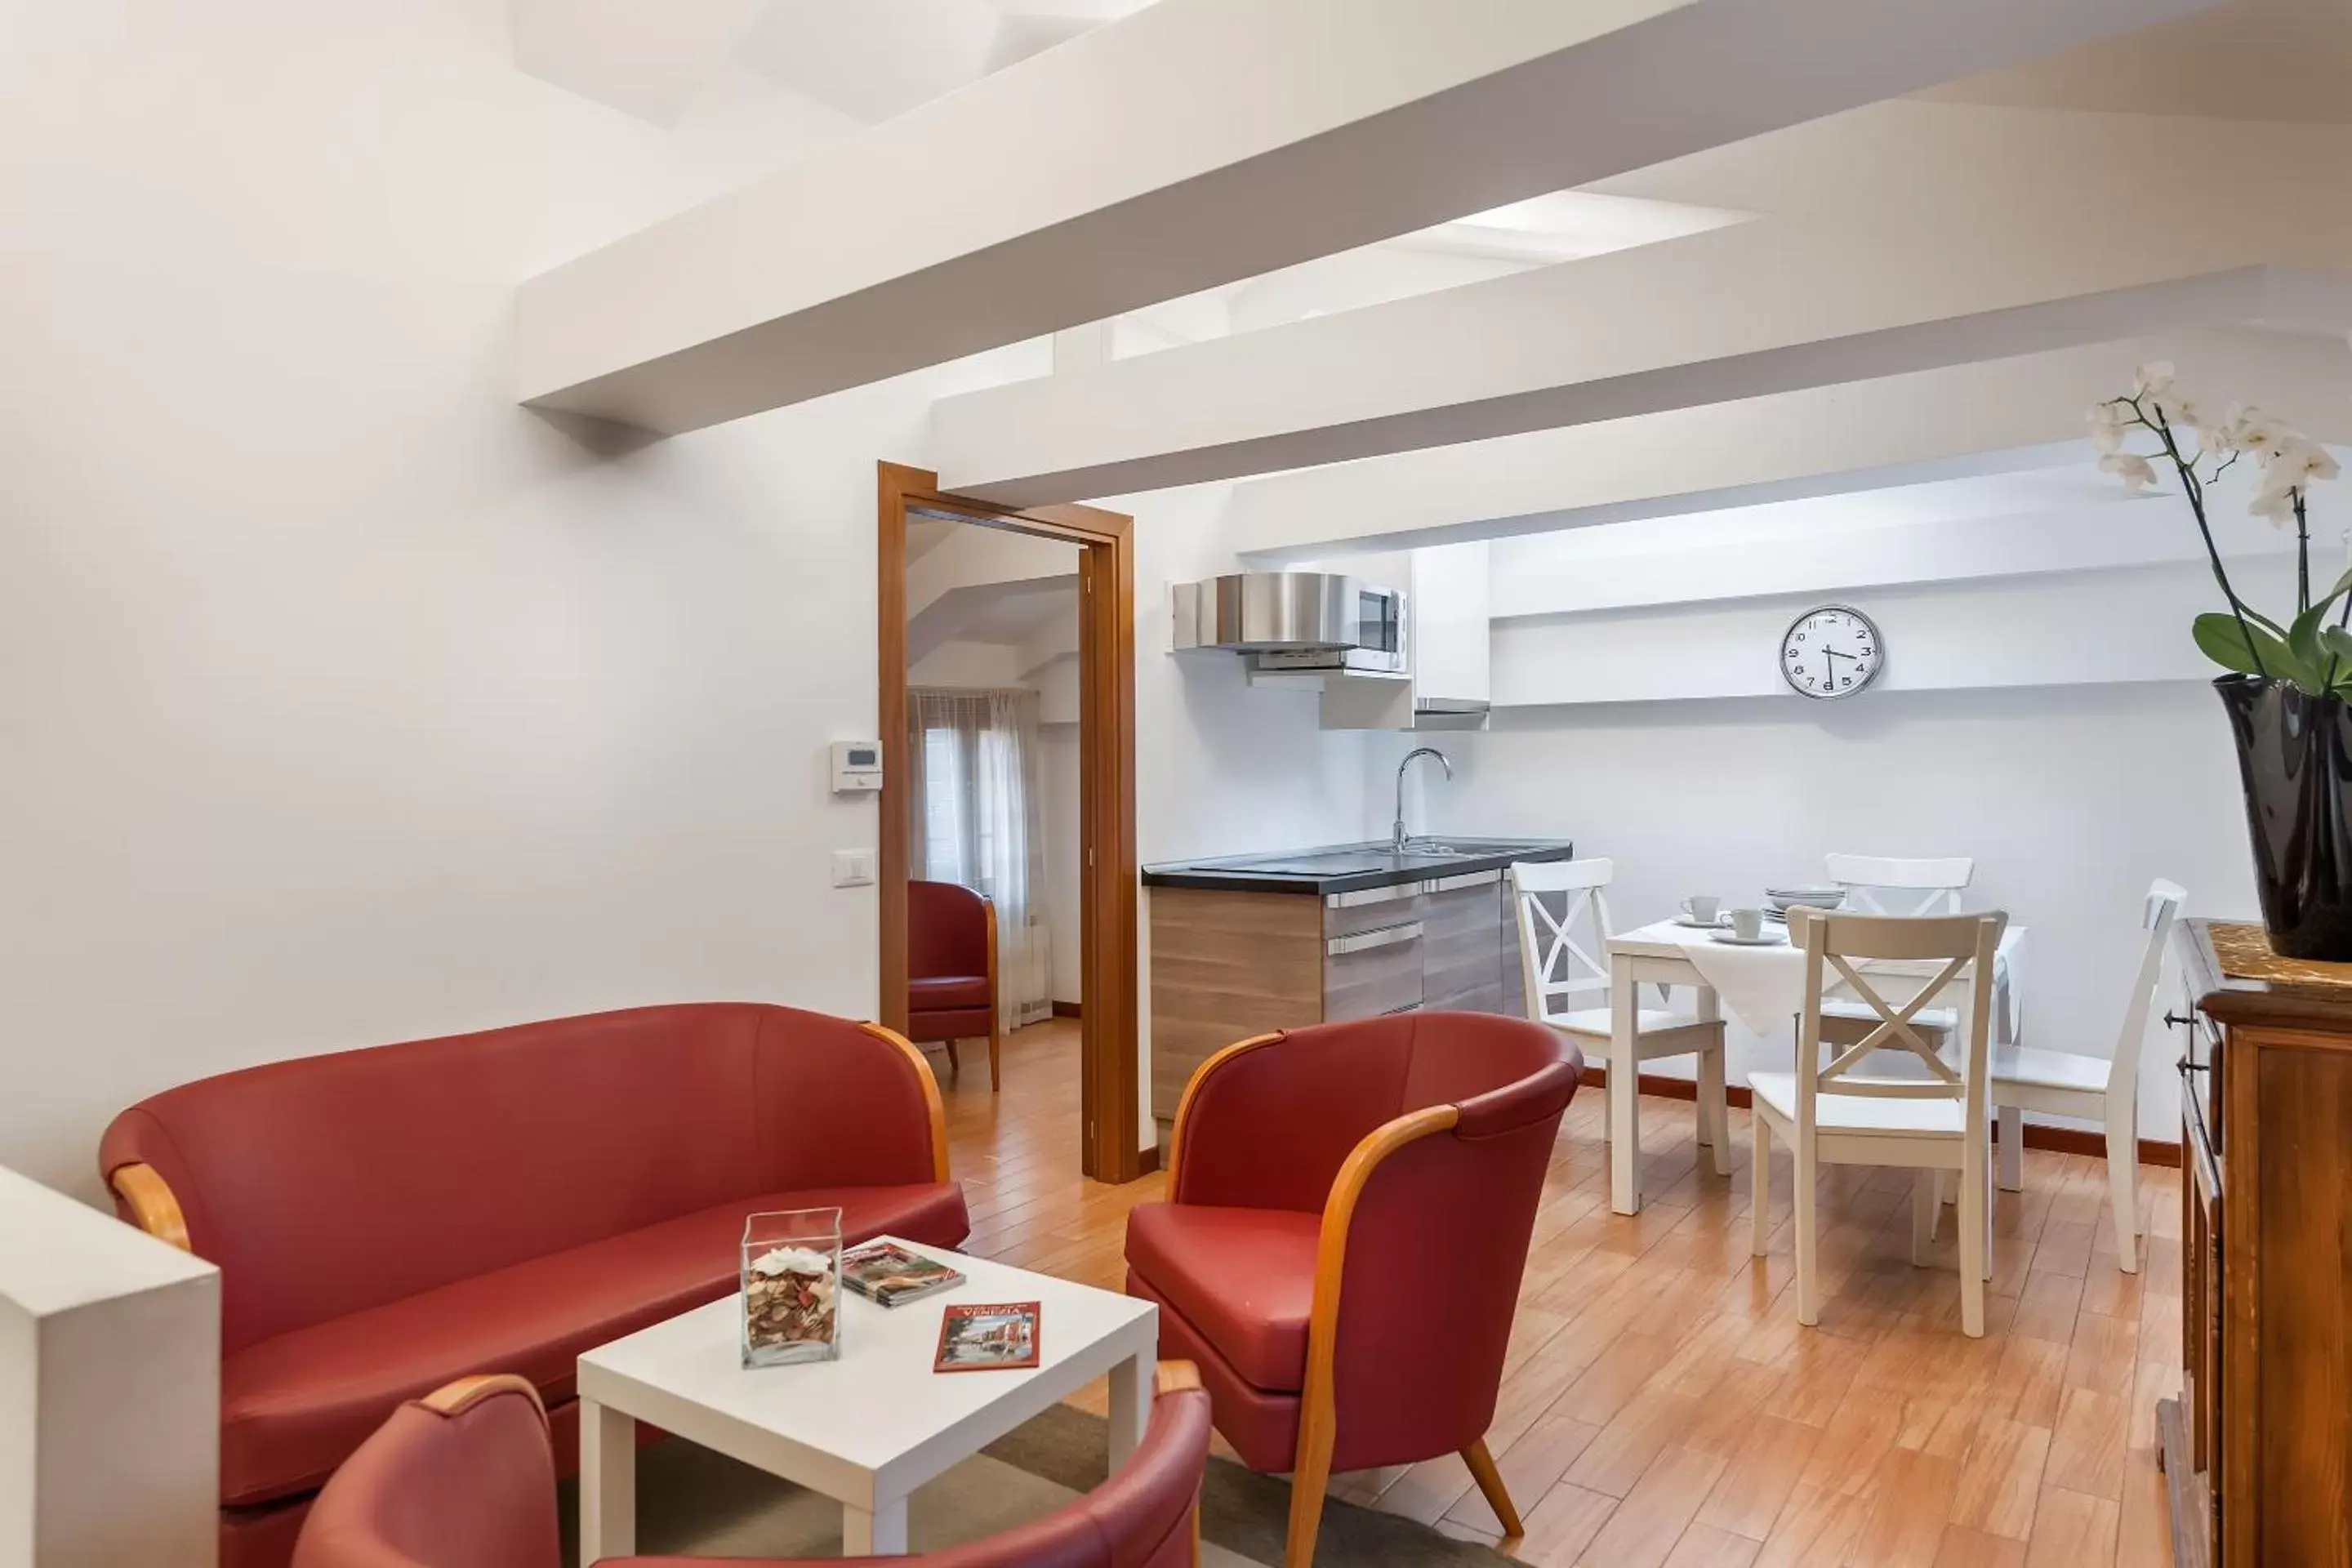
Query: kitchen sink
[[1362, 859], [1454, 849]]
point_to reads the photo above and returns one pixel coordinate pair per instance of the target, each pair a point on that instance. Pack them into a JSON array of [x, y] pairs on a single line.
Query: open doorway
[[1006, 683]]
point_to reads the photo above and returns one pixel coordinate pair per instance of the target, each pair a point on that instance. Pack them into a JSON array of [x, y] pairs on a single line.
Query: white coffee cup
[[1747, 925], [1701, 908]]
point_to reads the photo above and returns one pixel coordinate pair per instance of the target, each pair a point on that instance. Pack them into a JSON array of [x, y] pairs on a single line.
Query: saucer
[[1763, 939], [1715, 924]]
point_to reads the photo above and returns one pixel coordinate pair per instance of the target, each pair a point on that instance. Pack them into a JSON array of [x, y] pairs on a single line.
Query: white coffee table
[[866, 1429]]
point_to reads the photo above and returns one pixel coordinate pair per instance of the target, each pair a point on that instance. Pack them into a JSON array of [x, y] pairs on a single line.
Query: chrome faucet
[[1396, 834]]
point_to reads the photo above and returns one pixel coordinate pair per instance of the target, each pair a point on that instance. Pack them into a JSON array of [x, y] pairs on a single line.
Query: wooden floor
[[1662, 1405]]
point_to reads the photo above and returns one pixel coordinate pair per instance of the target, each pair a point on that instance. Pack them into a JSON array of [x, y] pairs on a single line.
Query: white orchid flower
[[2276, 505], [2152, 378], [2108, 421], [2295, 461], [2130, 468], [2260, 433]]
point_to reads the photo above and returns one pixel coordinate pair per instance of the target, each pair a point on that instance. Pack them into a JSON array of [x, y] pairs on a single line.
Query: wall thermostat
[[857, 766]]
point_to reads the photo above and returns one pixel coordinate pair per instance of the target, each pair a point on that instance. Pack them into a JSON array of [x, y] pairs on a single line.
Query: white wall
[[2042, 710], [348, 701], [2072, 800], [1059, 765]]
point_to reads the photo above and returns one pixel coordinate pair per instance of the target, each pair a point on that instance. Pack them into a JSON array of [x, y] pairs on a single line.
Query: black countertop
[[1349, 867]]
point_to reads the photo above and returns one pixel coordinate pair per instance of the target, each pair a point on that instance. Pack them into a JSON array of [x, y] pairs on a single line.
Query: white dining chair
[[1883, 885], [1828, 1112], [2103, 1088], [1560, 973]]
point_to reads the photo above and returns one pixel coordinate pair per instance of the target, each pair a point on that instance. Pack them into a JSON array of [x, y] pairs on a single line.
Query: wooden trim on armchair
[[152, 1204], [1318, 1414], [457, 1398], [1191, 1088], [931, 1102], [1174, 1377]]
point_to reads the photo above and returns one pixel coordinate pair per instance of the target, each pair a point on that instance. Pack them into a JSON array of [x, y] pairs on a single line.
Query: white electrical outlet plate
[[853, 868]]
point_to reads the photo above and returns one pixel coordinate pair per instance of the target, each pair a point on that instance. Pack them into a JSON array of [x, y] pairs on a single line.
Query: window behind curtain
[[976, 806]]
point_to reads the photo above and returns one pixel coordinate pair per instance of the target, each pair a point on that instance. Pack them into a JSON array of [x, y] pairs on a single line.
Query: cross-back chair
[[1564, 970], [2104, 1089], [1834, 1111]]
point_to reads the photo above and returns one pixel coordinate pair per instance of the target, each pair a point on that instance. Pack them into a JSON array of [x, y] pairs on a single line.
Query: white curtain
[[977, 809]]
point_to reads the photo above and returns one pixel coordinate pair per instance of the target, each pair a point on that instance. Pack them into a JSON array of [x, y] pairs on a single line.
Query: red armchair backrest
[[476, 1489], [1438, 1239], [330, 1183], [470, 1484], [947, 930]]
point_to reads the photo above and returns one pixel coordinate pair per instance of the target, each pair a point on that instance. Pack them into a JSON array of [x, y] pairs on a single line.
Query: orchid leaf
[[2251, 650]]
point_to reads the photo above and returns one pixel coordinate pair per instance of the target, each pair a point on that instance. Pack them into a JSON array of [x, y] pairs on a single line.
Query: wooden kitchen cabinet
[[1228, 964], [2258, 1448]]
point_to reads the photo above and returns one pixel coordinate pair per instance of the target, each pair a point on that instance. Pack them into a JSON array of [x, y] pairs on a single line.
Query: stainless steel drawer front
[[1363, 895], [1366, 940], [1454, 884]]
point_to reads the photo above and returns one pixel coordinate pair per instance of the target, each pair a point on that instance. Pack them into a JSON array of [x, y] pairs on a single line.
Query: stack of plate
[[1783, 899]]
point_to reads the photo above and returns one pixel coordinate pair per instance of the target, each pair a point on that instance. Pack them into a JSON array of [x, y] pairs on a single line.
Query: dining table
[[1763, 987]]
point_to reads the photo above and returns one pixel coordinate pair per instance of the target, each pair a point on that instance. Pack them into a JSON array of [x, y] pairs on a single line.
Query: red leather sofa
[[388, 1219], [1347, 1218], [952, 969], [461, 1479]]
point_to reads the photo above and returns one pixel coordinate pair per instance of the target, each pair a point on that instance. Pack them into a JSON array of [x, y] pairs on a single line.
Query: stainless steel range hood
[[1286, 621]]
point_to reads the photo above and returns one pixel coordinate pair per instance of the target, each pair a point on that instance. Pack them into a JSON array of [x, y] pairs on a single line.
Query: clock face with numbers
[[1831, 651]]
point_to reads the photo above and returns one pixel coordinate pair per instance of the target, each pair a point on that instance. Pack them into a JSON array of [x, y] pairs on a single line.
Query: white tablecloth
[[1764, 987]]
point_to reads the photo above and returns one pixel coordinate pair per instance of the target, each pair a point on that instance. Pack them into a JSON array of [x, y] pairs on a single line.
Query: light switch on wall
[[853, 868]]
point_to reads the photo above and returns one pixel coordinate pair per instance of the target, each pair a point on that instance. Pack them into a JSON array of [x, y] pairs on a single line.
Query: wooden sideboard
[[2258, 1448]]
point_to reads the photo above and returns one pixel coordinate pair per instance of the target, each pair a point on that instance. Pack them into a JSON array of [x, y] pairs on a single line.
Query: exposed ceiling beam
[[1947, 423], [643, 59], [1193, 144], [1635, 333]]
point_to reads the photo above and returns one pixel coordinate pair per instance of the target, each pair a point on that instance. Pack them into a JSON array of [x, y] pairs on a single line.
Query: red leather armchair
[[952, 969], [388, 1219], [463, 1478], [1348, 1221]]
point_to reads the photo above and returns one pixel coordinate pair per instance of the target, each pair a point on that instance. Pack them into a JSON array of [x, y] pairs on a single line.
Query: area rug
[[694, 1502]]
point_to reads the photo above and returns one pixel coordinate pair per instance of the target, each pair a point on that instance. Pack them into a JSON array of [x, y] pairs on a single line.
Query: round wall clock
[[1831, 650]]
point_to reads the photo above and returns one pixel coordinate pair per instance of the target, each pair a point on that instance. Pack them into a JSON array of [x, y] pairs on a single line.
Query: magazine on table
[[888, 1274], [987, 1337]]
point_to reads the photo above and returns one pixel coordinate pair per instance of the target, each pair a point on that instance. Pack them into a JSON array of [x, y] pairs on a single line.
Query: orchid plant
[[2200, 446]]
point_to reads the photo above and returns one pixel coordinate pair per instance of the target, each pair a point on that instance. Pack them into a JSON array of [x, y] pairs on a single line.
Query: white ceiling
[[874, 59], [2249, 60]]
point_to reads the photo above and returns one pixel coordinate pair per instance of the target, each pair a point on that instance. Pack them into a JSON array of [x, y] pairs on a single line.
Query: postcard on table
[[974, 1337]]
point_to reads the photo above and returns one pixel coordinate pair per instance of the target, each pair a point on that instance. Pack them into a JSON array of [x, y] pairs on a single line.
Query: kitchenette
[[1244, 944]]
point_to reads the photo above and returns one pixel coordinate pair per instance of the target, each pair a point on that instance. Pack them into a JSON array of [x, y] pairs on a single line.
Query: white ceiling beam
[[1945, 423], [1193, 144], [644, 59], [1637, 333]]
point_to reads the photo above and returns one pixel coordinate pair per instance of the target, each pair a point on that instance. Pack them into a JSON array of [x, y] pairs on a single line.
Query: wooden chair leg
[[1491, 1487], [955, 1068], [1974, 1263], [1925, 1212], [1759, 1184], [995, 1046], [2123, 1190], [1306, 1483], [1809, 1286]]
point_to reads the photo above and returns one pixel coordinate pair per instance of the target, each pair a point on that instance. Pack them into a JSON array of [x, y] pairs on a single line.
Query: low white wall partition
[[109, 1390]]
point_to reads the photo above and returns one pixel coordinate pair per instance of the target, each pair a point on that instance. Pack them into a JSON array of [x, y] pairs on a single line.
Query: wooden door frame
[[1110, 1081]]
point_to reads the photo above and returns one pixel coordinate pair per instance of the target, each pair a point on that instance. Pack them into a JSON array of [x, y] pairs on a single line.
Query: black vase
[[2294, 757]]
